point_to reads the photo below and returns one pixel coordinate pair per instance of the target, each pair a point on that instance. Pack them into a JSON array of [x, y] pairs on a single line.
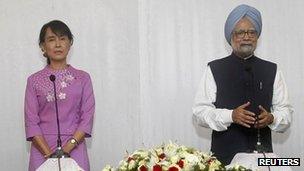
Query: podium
[[67, 164], [250, 161]]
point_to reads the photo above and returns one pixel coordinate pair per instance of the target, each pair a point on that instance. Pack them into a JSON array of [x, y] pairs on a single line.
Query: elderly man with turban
[[241, 95]]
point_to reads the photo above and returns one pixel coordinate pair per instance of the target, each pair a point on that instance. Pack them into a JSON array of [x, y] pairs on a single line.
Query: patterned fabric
[[64, 78], [76, 106]]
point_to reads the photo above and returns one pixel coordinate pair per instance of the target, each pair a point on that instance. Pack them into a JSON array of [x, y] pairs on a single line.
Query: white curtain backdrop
[[146, 58]]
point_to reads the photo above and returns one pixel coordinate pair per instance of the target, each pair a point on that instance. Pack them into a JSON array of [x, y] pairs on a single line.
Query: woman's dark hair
[[59, 28]]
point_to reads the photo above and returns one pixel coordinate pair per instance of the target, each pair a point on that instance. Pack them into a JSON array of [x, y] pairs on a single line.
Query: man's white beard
[[246, 50]]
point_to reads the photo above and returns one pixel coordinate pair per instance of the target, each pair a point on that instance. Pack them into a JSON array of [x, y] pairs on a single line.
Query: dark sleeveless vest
[[239, 81]]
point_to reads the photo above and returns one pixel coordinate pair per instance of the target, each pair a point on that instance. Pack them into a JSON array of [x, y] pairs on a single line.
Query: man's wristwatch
[[74, 141]]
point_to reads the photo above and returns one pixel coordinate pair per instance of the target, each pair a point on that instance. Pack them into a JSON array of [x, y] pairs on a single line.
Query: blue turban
[[237, 14]]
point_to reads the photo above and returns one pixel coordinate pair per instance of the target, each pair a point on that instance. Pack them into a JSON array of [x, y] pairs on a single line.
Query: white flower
[[142, 162], [214, 165], [62, 95], [123, 165], [191, 159], [183, 154], [108, 168], [174, 159], [158, 151], [141, 153], [69, 77], [236, 166], [63, 84], [201, 166], [170, 150], [188, 167], [170, 155], [50, 97], [153, 159], [131, 165], [166, 164]]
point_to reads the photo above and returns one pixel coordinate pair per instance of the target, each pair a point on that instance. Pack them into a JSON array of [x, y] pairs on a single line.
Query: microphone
[[53, 78], [248, 68], [59, 153], [249, 84], [259, 147]]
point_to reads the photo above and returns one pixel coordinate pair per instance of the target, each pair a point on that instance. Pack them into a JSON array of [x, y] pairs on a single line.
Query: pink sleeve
[[87, 108], [31, 108]]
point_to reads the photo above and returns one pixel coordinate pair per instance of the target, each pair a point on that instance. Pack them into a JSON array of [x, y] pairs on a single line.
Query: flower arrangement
[[171, 157]]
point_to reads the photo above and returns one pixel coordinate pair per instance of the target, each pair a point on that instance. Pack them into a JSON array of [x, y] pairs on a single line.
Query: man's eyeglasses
[[241, 33]]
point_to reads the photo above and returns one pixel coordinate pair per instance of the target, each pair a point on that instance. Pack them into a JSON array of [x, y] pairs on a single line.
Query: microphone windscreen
[[248, 68], [52, 78]]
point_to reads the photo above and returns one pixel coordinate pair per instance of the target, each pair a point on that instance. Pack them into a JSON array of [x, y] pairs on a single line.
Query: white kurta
[[207, 115]]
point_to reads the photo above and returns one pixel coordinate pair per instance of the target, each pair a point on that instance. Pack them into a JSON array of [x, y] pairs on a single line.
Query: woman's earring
[[43, 52]]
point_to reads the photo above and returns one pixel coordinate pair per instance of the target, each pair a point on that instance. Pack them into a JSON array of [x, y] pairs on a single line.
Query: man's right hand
[[242, 116]]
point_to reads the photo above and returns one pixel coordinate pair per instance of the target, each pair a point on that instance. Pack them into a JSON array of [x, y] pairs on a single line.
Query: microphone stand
[[59, 153], [259, 147]]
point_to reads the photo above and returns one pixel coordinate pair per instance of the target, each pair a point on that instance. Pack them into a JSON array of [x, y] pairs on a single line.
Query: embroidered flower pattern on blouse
[[69, 77], [63, 84], [61, 95], [64, 79], [50, 97], [43, 84]]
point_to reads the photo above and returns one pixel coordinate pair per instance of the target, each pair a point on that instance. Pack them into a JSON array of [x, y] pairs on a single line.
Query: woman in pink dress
[[75, 98]]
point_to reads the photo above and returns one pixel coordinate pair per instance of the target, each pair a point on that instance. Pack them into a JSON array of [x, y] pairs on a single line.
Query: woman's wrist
[[47, 155], [70, 145]]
